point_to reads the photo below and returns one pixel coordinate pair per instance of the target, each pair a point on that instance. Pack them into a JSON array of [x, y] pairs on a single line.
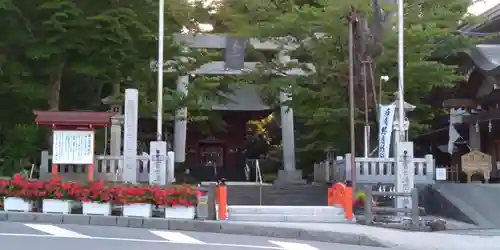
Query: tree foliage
[[320, 101], [69, 55]]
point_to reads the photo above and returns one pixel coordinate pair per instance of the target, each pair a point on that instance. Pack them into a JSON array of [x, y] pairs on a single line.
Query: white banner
[[385, 129], [73, 147]]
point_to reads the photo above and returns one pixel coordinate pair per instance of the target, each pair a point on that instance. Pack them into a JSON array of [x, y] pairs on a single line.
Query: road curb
[[194, 226]]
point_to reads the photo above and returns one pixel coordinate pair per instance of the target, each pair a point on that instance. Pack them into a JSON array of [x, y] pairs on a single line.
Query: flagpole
[[159, 111], [351, 102], [401, 69]]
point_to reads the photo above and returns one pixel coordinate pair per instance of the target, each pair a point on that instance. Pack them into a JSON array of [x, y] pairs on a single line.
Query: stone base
[[289, 177]]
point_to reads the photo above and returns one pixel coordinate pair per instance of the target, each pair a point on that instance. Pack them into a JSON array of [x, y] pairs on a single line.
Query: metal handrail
[[258, 174]]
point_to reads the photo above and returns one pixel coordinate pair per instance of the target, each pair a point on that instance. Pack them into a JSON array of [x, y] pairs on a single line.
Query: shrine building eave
[[485, 57], [73, 118]]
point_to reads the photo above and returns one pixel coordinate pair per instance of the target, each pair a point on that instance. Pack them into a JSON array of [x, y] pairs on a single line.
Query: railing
[[258, 173], [106, 167], [369, 209], [248, 171], [372, 170], [452, 172], [383, 170]]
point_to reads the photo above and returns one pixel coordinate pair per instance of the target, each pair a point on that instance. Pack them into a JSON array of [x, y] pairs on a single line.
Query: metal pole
[[159, 114], [351, 104], [366, 134], [401, 69], [368, 205]]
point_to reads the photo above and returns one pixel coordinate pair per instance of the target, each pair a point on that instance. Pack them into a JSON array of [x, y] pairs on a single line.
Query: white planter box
[[15, 204], [95, 208], [51, 206], [180, 212], [138, 210]]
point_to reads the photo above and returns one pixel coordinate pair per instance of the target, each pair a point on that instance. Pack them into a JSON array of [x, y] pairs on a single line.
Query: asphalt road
[[76, 237]]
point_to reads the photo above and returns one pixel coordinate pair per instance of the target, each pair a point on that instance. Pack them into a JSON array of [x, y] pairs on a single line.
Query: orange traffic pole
[[348, 203], [330, 196], [222, 191], [55, 171], [90, 172]]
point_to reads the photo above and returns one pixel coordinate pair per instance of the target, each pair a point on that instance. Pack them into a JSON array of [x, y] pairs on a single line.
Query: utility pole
[[352, 19]]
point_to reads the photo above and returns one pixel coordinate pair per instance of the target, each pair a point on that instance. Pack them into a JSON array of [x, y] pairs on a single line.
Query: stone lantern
[[116, 124]]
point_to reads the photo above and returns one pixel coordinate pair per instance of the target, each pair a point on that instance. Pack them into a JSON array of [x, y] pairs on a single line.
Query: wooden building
[[479, 96]]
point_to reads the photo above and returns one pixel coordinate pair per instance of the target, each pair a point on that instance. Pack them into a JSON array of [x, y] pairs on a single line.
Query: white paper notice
[[441, 174], [73, 147]]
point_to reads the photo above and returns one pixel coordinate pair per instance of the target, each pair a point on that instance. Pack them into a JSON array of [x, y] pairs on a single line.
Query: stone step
[[286, 210], [287, 218]]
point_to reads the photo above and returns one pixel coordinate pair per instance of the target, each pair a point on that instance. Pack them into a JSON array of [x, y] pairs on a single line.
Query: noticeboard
[[73, 147]]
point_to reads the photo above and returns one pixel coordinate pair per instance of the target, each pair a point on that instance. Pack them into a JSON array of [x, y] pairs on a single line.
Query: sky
[[481, 6]]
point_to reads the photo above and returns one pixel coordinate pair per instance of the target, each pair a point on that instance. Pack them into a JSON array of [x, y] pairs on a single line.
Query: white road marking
[[293, 245], [177, 237], [137, 240], [56, 231]]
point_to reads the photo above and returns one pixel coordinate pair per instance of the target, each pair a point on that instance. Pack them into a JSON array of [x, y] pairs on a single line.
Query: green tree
[[320, 101], [67, 55]]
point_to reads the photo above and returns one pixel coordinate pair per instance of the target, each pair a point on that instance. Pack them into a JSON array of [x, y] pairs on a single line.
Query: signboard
[[158, 163], [130, 135], [73, 147], [385, 129], [476, 162], [405, 173]]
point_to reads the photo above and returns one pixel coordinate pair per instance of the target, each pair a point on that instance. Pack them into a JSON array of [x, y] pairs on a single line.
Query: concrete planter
[[15, 204], [95, 208], [180, 212], [138, 210], [52, 206]]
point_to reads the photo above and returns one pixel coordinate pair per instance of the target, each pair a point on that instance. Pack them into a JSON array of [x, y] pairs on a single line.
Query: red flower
[[99, 191]]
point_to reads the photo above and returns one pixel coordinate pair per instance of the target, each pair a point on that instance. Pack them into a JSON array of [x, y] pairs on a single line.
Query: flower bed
[[98, 195]]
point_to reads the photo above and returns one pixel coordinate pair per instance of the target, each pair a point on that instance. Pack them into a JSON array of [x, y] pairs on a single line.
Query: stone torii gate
[[235, 64]]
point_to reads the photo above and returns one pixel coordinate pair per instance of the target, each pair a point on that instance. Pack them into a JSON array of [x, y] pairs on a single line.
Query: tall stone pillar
[[289, 174], [180, 126], [131, 116], [474, 137]]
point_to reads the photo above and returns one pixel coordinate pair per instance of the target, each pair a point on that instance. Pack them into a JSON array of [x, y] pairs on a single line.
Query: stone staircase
[[277, 195], [281, 203]]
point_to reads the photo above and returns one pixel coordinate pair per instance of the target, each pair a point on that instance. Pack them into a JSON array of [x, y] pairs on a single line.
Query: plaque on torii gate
[[73, 136]]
